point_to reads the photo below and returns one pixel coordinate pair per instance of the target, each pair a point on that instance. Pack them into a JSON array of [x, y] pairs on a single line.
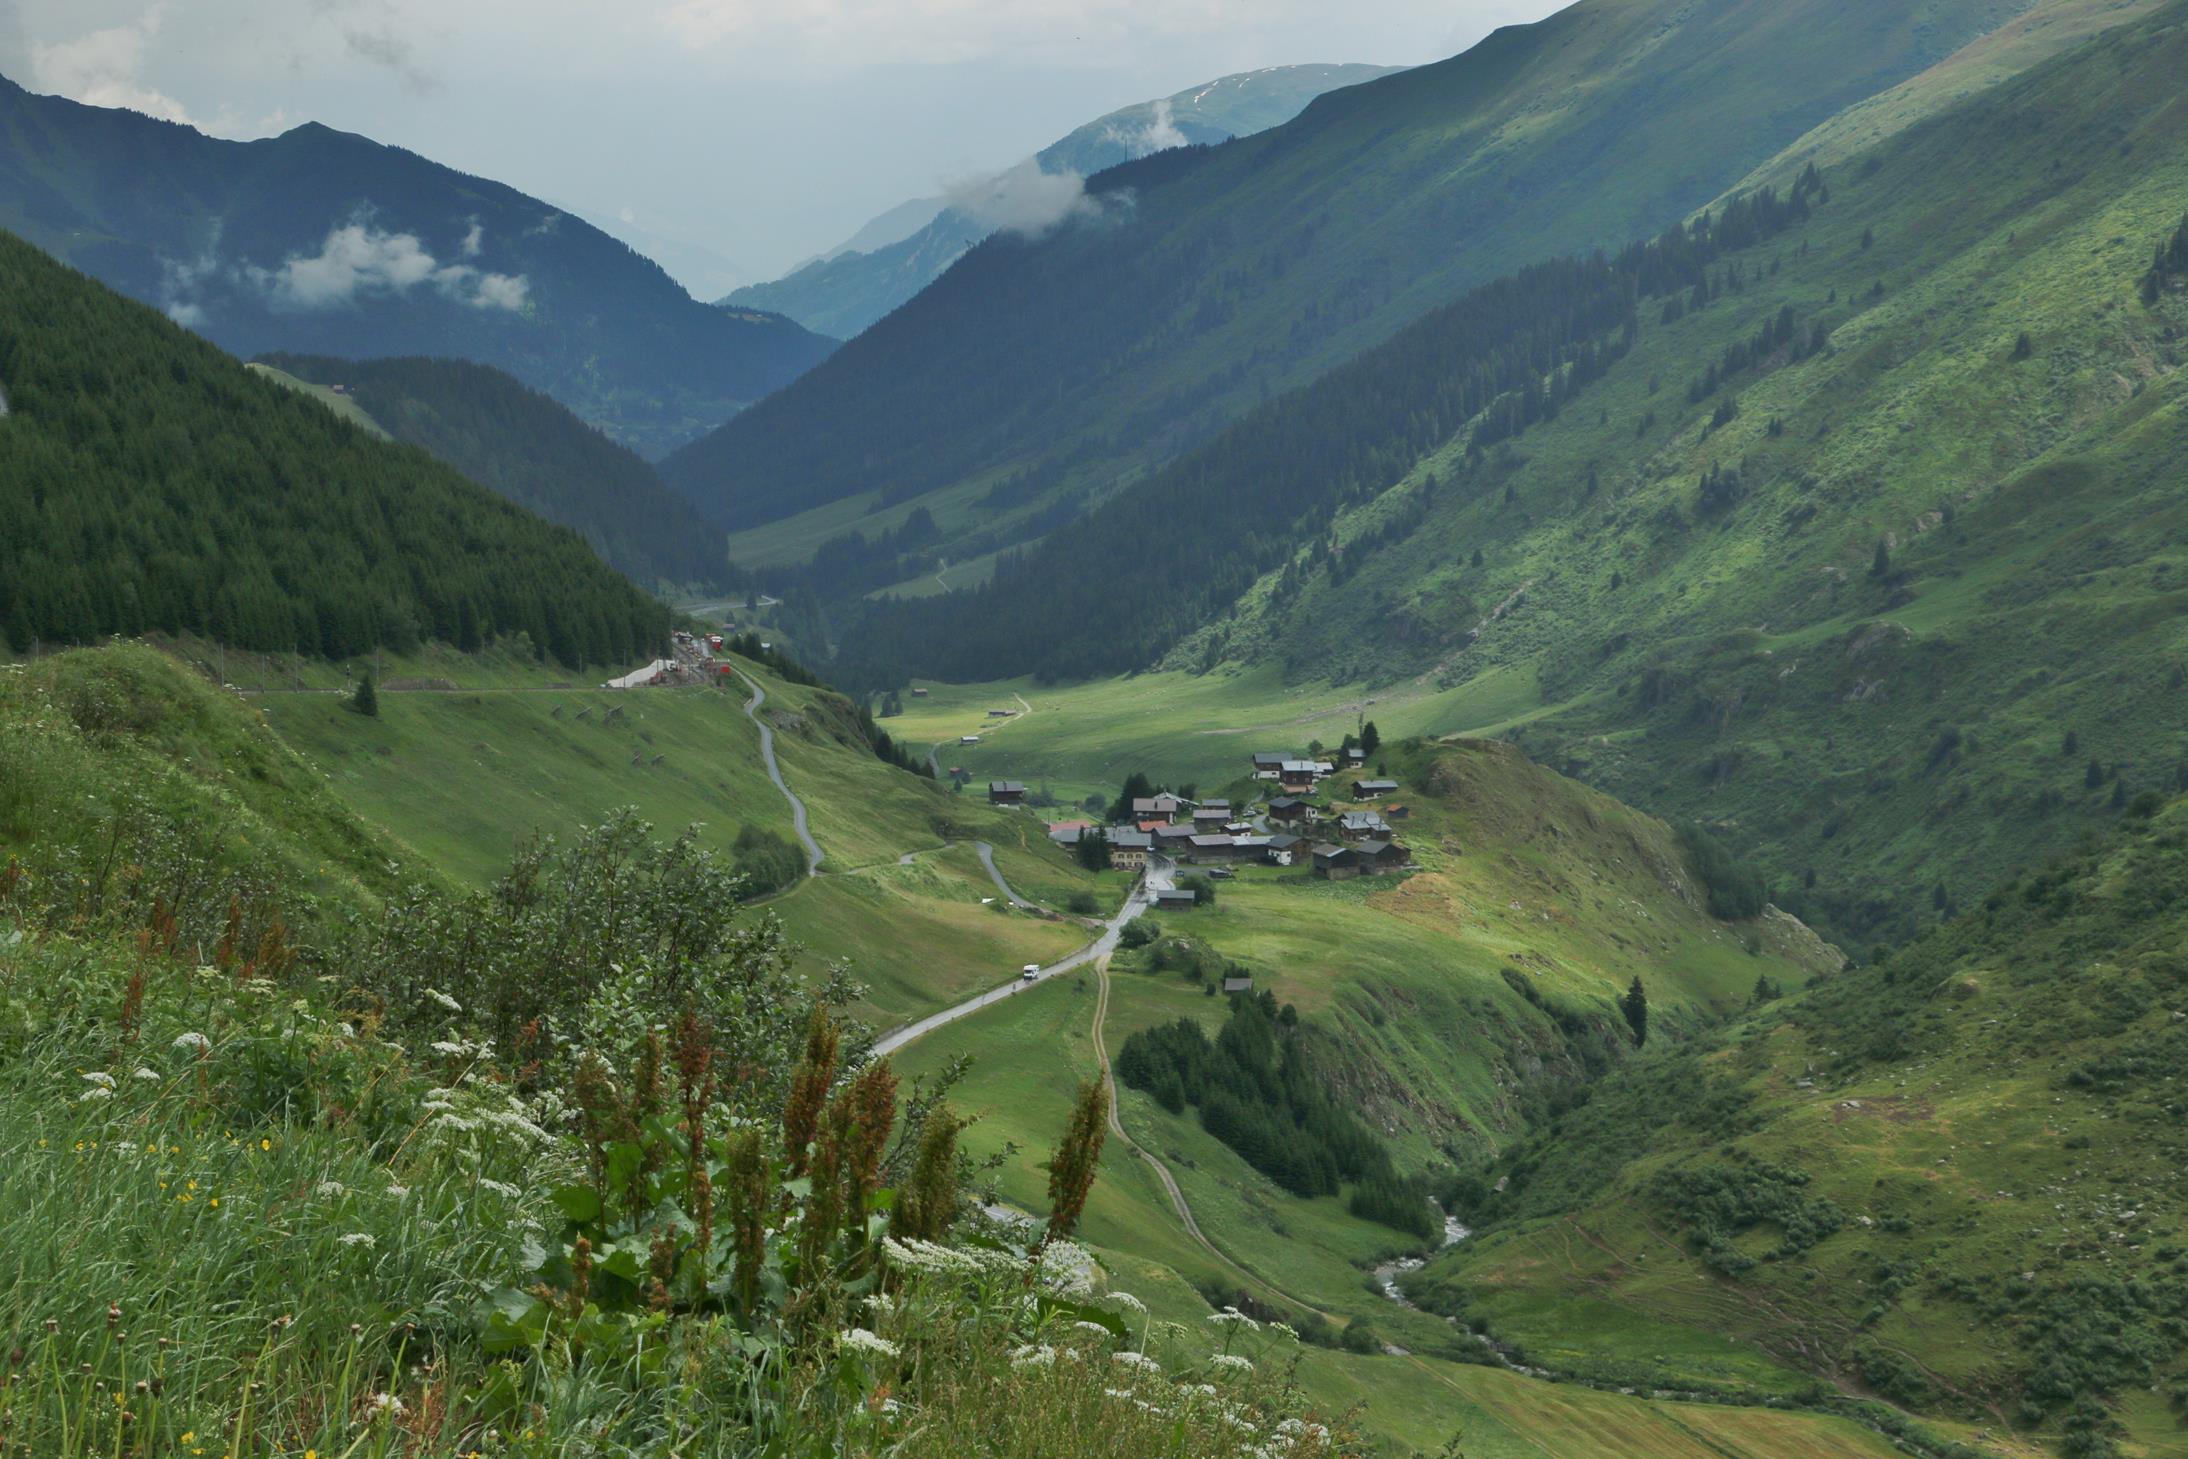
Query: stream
[[1386, 1275]]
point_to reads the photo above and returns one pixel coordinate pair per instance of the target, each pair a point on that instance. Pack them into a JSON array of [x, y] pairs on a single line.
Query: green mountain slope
[[1680, 571], [321, 242], [844, 292], [523, 445], [1951, 1178], [1041, 375], [149, 481]]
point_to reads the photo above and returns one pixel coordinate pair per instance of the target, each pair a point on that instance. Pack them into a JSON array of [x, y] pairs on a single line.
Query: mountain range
[[1041, 374], [323, 242], [902, 250]]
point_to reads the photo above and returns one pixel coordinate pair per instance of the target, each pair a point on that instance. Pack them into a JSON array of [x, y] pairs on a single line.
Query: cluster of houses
[[1290, 829]]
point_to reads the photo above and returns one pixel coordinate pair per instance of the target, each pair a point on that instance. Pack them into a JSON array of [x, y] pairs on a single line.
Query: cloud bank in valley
[[1023, 200], [358, 260]]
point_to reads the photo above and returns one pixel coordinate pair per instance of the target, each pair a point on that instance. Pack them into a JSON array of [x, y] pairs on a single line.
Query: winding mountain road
[[1142, 897], [775, 773]]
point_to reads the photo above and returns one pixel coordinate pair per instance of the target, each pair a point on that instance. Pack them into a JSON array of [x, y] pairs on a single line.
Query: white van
[[1029, 972]]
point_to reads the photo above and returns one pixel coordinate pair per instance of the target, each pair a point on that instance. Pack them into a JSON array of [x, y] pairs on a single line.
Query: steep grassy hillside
[[1676, 583], [322, 242], [128, 781], [461, 777], [1951, 1178], [1039, 376], [525, 446], [844, 292], [150, 482]]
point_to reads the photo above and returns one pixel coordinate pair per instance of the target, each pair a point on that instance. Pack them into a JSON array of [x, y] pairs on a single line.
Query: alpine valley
[[1484, 758]]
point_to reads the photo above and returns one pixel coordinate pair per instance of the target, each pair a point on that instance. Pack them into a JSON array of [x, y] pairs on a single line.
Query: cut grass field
[[340, 404]]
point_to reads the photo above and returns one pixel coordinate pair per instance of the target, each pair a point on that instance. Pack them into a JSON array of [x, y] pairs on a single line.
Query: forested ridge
[[149, 481], [526, 446], [1195, 535]]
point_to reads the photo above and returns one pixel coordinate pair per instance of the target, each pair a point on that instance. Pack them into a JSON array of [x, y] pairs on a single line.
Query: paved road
[[775, 773], [1158, 878]]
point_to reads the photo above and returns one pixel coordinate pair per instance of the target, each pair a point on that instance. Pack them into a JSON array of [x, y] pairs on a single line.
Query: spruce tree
[[365, 699], [1370, 738], [1881, 564], [1635, 1005]]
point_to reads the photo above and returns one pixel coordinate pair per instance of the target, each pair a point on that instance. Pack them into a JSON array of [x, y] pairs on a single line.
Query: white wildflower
[[1094, 1327], [1284, 1329], [929, 1256], [359, 1238], [500, 1188], [1232, 1317], [1129, 1302], [1118, 1392], [95, 1092], [881, 1303], [191, 1043], [1033, 1357], [449, 1048], [1232, 1362], [397, 1191], [861, 1340], [146, 1076], [328, 1190], [444, 1000], [103, 1080], [1141, 1361], [384, 1405]]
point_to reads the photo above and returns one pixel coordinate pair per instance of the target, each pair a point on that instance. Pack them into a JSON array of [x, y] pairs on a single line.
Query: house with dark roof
[[1238, 983], [1267, 765], [1163, 807], [1284, 849], [1175, 899], [1382, 855], [1211, 848], [1128, 848], [1369, 789], [1336, 863], [1288, 810], [1006, 792]]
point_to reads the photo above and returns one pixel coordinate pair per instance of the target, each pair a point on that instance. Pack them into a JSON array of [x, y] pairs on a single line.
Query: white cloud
[[474, 239], [1024, 200], [1159, 134], [358, 259], [106, 68]]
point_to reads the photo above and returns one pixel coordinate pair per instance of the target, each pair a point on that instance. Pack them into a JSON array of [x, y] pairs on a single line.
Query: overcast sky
[[755, 131]]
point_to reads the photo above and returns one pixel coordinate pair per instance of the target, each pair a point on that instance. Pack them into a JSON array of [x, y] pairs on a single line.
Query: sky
[[729, 139]]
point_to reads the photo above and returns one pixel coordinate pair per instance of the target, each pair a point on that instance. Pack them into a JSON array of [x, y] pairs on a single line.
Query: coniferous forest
[[1199, 532], [528, 447], [1258, 1092], [149, 482]]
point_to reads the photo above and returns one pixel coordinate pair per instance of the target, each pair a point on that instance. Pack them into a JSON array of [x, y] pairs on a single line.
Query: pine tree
[[1370, 738], [2093, 776], [366, 699], [1635, 1005], [1881, 565], [2070, 746]]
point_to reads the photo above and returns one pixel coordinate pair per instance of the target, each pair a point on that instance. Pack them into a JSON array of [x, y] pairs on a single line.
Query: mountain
[[522, 445], [150, 482], [1949, 1178], [1811, 543], [1040, 374], [321, 242], [908, 247]]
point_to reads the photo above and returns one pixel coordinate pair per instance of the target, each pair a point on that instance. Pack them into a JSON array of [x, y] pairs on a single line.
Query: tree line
[[1257, 1091], [150, 482]]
